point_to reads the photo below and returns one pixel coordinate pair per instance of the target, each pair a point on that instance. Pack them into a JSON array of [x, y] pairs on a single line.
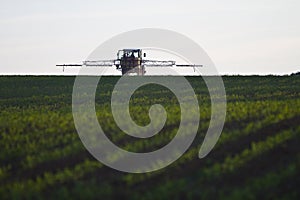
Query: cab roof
[[135, 50]]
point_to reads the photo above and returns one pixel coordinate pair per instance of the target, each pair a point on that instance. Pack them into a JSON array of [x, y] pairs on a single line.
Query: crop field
[[256, 157]]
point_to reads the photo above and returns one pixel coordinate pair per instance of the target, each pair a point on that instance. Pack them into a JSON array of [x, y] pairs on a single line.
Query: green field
[[256, 157]]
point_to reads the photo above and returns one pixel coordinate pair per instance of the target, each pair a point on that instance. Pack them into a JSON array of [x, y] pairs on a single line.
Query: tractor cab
[[130, 61]]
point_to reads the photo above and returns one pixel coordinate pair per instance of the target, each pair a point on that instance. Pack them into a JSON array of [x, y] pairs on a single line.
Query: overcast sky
[[241, 37]]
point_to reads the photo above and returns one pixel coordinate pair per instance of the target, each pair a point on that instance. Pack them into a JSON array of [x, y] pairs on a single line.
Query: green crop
[[256, 157]]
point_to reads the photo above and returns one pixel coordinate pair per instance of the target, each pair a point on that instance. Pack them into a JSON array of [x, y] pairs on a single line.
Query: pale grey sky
[[241, 37]]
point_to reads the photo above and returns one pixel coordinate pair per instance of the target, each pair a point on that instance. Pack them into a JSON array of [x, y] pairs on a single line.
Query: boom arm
[[158, 63], [99, 63], [91, 63], [110, 63]]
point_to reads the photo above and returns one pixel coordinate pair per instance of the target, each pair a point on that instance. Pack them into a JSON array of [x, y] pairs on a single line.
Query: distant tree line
[[295, 74]]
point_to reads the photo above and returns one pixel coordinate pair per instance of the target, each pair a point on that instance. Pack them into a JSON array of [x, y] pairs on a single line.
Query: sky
[[241, 37]]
